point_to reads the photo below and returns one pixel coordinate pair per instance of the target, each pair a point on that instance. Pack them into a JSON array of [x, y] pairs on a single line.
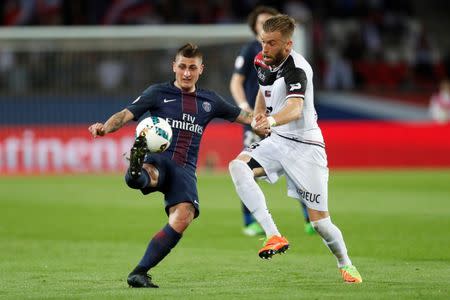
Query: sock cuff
[[171, 232], [321, 221]]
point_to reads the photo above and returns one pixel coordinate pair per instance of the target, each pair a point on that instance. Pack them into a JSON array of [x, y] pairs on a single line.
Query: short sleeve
[[145, 102], [244, 62], [296, 82], [226, 110]]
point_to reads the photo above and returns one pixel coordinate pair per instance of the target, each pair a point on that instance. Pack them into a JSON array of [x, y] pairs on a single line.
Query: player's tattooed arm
[[247, 118], [244, 117], [115, 122]]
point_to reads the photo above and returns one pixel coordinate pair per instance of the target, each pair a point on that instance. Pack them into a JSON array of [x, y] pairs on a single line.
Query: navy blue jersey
[[187, 113], [244, 66]]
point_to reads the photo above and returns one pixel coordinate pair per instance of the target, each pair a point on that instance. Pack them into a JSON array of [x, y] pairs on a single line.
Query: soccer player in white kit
[[295, 148]]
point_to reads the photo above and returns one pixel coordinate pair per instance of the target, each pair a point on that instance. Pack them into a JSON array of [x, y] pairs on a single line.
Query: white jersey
[[292, 78]]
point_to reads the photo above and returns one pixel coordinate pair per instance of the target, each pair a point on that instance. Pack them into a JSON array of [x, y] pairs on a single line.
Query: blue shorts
[[178, 184]]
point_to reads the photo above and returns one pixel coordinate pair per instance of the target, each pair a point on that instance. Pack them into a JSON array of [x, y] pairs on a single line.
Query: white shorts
[[304, 165]]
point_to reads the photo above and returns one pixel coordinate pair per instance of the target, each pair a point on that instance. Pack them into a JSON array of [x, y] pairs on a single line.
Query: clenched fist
[[97, 129]]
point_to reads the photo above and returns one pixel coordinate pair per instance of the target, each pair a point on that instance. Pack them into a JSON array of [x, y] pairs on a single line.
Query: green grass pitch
[[79, 236]]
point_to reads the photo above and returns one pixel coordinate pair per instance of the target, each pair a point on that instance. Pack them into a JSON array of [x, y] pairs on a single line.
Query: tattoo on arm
[[115, 122], [244, 117]]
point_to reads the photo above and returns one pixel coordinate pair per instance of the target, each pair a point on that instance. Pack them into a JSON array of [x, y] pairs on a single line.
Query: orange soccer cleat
[[273, 245]]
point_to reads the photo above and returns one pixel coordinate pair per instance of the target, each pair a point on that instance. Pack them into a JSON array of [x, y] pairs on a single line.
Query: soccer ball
[[158, 133]]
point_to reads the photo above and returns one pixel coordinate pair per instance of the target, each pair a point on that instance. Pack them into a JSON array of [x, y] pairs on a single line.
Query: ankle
[[139, 270]]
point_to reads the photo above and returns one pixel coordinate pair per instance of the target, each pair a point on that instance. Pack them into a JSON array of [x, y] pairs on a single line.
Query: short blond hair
[[282, 23]]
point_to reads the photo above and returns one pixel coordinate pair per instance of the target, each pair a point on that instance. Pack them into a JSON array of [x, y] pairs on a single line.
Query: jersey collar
[[172, 84]]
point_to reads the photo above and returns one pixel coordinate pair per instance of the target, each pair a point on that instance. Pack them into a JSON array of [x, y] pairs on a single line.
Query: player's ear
[[289, 44], [200, 70], [174, 67]]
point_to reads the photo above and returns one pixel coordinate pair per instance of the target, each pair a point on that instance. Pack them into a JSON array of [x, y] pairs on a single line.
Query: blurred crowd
[[357, 44]]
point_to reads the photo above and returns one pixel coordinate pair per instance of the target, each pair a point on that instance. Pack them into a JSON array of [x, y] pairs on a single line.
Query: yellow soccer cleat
[[350, 274], [273, 245]]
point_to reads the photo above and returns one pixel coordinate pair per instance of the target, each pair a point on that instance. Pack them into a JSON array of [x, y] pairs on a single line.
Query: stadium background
[[66, 64], [373, 61]]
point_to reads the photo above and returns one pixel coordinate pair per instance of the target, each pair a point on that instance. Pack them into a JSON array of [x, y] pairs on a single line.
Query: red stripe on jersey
[[184, 139], [180, 153], [189, 103], [258, 61]]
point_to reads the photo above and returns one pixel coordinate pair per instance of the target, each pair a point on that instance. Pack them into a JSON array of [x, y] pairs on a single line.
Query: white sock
[[333, 239], [252, 196]]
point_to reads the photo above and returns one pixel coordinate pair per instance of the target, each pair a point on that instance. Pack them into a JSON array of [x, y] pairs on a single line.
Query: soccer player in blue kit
[[244, 88], [188, 109]]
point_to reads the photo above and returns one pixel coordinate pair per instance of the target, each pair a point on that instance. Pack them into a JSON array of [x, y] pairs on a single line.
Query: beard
[[276, 59]]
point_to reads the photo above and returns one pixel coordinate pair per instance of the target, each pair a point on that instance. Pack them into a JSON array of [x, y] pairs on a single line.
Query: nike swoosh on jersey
[[169, 100]]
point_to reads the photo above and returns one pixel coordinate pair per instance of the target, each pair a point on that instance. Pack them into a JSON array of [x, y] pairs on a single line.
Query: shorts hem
[[271, 178], [197, 210]]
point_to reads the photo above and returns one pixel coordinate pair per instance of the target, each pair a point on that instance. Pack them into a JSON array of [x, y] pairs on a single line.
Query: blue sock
[[305, 212], [158, 248], [140, 182], [248, 218]]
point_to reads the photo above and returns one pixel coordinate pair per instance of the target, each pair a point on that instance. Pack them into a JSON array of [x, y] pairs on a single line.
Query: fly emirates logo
[[186, 124]]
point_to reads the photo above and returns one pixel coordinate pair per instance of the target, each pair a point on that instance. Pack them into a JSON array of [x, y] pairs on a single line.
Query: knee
[[317, 215], [153, 173], [239, 168], [132, 182], [232, 166], [181, 215]]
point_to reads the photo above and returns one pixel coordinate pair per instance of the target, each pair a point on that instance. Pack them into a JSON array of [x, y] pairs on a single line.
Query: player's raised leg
[[333, 239], [142, 175], [243, 171]]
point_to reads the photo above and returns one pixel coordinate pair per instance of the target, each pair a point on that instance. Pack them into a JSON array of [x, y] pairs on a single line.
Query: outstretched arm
[[115, 122], [244, 117], [290, 112], [247, 118]]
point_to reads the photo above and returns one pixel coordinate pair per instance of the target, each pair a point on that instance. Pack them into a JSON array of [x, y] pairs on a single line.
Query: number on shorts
[[253, 146], [250, 138]]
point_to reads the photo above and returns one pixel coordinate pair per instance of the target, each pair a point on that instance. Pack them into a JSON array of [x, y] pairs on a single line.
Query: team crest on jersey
[[206, 106]]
